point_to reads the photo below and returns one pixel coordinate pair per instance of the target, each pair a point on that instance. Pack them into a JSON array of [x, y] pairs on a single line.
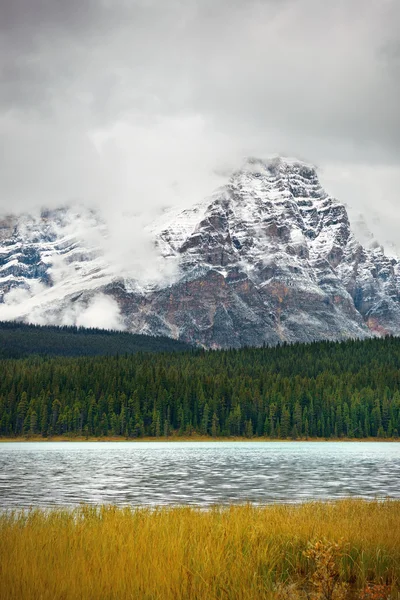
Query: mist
[[135, 107]]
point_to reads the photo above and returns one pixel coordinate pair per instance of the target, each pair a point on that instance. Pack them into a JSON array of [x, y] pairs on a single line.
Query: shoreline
[[186, 439]]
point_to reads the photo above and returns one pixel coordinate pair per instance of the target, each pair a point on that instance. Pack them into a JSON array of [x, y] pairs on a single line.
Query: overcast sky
[[140, 104]]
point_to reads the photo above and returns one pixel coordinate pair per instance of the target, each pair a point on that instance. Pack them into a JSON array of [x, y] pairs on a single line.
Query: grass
[[349, 549]]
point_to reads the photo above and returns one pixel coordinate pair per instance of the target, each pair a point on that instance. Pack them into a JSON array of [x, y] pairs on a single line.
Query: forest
[[320, 390], [18, 340]]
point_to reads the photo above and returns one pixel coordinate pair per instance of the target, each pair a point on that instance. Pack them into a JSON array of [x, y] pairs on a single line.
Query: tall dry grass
[[241, 552]]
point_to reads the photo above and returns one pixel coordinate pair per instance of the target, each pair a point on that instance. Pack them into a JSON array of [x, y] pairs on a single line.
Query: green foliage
[[325, 389]]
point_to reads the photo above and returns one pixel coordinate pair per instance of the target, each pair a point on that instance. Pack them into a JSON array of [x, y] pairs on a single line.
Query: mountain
[[269, 257]]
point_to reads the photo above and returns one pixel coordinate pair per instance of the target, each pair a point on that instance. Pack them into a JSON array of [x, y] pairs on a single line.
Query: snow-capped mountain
[[269, 257]]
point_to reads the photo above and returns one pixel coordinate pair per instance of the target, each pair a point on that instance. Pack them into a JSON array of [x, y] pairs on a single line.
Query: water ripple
[[67, 474]]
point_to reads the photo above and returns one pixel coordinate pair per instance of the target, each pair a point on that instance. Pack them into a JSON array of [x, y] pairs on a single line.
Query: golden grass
[[241, 552]]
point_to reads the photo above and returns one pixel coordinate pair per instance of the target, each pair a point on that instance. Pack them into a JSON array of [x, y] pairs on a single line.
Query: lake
[[44, 474]]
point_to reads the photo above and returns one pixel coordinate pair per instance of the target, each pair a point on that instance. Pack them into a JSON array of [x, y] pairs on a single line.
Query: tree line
[[325, 389], [19, 340]]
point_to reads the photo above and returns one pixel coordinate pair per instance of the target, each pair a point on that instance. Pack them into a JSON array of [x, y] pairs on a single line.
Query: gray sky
[[139, 104]]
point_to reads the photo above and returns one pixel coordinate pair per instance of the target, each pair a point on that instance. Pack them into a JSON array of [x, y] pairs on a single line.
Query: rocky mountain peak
[[269, 256]]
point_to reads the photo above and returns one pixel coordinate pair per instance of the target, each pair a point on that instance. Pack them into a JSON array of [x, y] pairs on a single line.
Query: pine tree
[[22, 410], [205, 419], [249, 429], [33, 422], [285, 423], [214, 426]]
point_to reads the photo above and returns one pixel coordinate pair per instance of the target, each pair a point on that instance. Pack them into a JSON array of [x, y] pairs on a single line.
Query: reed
[[237, 552]]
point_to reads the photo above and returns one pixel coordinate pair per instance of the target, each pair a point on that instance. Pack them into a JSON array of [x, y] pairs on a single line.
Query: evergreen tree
[[324, 389]]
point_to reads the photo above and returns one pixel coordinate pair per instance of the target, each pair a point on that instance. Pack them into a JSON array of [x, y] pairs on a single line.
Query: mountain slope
[[269, 257], [19, 340]]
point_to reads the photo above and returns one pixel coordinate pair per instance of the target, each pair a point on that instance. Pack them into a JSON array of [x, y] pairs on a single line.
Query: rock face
[[270, 257]]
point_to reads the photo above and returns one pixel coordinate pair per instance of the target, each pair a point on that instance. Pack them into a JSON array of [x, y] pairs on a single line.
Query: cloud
[[101, 312], [371, 195], [12, 301], [134, 106]]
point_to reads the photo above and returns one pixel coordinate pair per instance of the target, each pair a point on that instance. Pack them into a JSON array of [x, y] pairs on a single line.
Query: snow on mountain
[[268, 257]]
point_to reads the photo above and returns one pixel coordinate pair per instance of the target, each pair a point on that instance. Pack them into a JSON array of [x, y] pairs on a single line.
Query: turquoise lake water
[[204, 473]]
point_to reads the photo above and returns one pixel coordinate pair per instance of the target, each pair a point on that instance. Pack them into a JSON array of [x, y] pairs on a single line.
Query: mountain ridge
[[268, 257]]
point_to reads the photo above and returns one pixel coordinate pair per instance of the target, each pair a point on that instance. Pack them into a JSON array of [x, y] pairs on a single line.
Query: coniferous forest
[[325, 389], [18, 340]]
